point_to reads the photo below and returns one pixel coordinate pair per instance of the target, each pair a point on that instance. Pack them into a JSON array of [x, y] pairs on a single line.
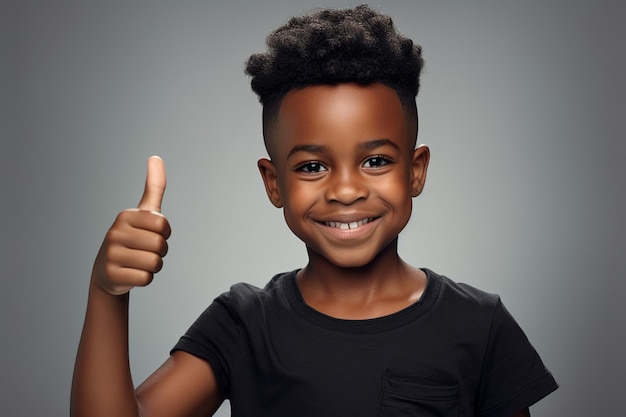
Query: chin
[[351, 261]]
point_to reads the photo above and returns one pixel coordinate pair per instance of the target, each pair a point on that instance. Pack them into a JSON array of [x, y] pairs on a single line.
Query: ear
[[419, 167], [270, 179]]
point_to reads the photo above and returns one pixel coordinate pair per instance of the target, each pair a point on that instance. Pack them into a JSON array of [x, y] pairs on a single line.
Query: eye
[[311, 167], [376, 162]]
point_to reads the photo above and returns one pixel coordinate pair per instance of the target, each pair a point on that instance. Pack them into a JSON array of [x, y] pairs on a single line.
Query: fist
[[134, 247]]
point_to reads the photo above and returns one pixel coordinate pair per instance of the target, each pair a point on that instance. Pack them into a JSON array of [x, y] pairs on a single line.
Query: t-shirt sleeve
[[513, 375], [214, 337]]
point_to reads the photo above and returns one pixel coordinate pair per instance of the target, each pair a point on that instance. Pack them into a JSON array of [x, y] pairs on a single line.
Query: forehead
[[342, 113]]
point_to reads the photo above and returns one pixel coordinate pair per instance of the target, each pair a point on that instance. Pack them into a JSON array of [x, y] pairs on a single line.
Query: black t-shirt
[[455, 352]]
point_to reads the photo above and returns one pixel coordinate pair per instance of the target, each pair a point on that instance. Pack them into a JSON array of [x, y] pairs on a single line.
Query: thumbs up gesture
[[134, 247]]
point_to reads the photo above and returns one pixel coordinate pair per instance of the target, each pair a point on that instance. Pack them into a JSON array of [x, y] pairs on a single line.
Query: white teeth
[[346, 226]]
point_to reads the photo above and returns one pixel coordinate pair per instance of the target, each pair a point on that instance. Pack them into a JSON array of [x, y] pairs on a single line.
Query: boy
[[356, 331]]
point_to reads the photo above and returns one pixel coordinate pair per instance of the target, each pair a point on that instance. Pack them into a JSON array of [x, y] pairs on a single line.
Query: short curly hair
[[332, 46]]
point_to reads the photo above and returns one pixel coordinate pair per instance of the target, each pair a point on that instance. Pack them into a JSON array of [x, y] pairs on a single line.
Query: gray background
[[523, 105]]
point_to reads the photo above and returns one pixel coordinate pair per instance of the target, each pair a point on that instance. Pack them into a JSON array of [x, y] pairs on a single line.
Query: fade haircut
[[333, 46]]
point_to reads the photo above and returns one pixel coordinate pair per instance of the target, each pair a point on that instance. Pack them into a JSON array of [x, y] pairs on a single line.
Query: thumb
[[155, 185]]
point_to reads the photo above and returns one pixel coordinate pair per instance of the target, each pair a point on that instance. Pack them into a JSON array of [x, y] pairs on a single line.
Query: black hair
[[331, 46]]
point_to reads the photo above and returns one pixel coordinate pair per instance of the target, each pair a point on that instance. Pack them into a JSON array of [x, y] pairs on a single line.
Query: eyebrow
[[306, 148], [377, 143], [317, 149]]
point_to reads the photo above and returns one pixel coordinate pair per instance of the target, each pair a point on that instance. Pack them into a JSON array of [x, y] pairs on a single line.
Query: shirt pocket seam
[[419, 392]]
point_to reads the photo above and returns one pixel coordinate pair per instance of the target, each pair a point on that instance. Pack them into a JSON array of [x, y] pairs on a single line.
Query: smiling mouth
[[350, 225]]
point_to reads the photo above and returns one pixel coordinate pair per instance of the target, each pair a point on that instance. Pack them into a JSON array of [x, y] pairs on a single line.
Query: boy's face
[[344, 169]]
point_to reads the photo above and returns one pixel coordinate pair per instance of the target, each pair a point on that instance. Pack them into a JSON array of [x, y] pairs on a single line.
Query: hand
[[134, 246]]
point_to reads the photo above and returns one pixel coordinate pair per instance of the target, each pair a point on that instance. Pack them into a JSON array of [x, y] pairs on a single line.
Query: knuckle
[[164, 249], [114, 235], [110, 253], [161, 224], [123, 216], [154, 263], [111, 233], [160, 245], [113, 276], [109, 271], [144, 279], [159, 265]]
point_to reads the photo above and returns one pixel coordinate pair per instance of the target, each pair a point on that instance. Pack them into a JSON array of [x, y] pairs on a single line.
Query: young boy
[[357, 331]]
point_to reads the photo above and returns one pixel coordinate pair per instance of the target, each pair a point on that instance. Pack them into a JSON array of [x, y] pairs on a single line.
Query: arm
[[102, 382], [131, 253]]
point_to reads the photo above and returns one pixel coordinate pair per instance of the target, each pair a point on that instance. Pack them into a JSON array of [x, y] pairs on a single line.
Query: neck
[[383, 271], [383, 286]]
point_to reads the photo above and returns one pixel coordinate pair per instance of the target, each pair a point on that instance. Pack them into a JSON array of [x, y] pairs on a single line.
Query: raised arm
[[130, 255]]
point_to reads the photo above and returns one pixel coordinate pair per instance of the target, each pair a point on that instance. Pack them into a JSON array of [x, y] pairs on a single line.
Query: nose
[[346, 187]]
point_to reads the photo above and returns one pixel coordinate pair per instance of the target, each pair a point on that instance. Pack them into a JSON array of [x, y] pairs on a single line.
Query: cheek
[[396, 187], [297, 198], [301, 194], [396, 192]]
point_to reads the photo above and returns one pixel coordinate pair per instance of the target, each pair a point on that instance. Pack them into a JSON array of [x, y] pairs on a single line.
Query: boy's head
[[338, 91], [331, 47]]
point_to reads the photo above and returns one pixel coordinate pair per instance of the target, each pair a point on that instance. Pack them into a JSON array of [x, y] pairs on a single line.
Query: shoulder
[[243, 306], [460, 294], [461, 303], [245, 299]]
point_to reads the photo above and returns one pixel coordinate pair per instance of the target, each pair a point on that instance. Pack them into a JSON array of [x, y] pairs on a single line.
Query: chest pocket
[[403, 397]]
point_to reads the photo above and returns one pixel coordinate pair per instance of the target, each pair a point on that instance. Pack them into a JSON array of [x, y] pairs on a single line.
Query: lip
[[349, 228], [348, 225]]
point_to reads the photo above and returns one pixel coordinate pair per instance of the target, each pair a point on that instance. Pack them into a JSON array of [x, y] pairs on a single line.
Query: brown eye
[[376, 162], [312, 167]]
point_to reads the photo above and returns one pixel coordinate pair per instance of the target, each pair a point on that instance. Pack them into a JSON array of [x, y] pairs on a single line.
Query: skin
[[130, 255], [340, 154], [344, 154]]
